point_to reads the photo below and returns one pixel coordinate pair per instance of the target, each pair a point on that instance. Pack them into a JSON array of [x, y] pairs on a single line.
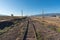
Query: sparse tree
[[53, 15], [11, 14]]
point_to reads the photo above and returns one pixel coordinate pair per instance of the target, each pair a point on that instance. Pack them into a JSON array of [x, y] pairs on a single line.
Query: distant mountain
[[3, 15], [48, 14]]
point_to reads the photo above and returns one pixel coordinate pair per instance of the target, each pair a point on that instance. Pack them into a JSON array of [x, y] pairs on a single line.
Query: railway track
[[29, 30], [28, 33], [22, 31]]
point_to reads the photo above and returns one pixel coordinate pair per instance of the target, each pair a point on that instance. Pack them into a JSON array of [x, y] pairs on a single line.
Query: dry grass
[[9, 17], [50, 22], [8, 27]]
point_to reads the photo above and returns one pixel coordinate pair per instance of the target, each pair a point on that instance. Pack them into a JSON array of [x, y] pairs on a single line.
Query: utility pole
[[22, 13], [42, 14]]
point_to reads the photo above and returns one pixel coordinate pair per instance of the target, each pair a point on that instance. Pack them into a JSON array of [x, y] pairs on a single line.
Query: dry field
[[30, 28], [50, 22]]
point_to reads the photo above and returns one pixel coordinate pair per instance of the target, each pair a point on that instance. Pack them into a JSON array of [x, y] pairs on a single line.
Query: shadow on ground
[[5, 24]]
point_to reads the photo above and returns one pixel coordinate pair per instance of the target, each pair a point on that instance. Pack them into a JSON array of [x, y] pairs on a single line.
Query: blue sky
[[29, 7]]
